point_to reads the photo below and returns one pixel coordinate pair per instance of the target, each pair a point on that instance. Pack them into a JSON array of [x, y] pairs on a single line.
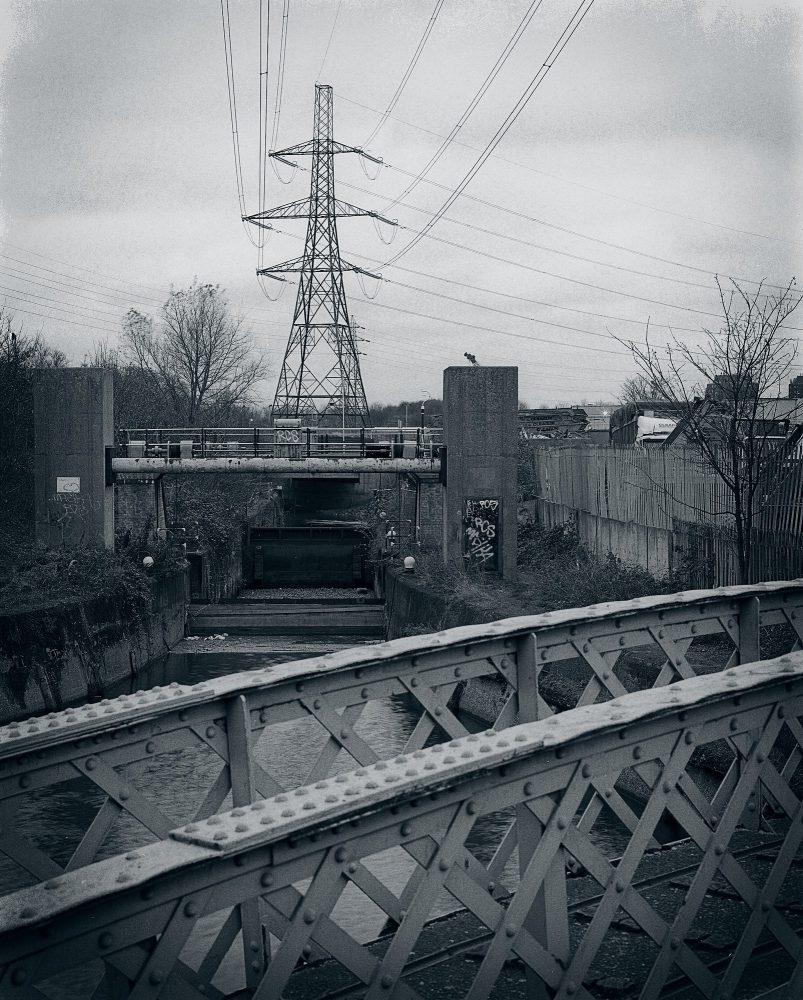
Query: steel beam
[[317, 840], [187, 466]]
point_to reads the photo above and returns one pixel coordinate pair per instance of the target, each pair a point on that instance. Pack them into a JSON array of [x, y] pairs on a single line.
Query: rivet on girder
[[364, 694], [444, 865], [638, 752], [529, 789], [511, 930], [688, 738], [266, 879], [156, 977], [310, 916], [406, 829], [458, 672], [413, 682]]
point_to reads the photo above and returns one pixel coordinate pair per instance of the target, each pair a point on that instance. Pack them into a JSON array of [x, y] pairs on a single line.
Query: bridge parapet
[[553, 779], [110, 748]]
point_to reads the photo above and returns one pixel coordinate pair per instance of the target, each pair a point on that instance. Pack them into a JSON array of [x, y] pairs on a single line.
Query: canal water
[[177, 782]]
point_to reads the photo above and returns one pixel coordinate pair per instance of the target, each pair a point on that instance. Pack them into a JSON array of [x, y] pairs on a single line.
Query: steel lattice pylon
[[320, 380]]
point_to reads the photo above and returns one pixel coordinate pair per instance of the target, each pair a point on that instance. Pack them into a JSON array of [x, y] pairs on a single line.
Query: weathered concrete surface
[[72, 427], [300, 618], [635, 544], [51, 657], [480, 431]]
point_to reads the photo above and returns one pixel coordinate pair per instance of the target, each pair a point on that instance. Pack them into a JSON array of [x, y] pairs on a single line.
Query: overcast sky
[[671, 129]]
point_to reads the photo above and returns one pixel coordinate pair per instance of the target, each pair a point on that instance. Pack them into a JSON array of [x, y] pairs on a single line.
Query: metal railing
[[279, 442], [107, 750], [272, 872]]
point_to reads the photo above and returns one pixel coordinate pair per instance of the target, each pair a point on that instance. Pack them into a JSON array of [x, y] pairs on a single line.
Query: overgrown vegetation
[[555, 571], [46, 577]]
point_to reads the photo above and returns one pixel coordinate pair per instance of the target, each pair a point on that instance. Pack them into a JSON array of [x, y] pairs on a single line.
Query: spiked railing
[[107, 753], [288, 861]]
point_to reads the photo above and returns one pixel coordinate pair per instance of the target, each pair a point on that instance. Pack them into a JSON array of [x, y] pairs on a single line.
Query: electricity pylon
[[320, 379]]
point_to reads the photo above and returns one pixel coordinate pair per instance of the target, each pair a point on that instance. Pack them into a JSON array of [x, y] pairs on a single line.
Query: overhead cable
[[407, 73]]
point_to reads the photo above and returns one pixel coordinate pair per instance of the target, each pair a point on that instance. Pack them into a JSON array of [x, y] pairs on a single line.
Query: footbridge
[[681, 736]]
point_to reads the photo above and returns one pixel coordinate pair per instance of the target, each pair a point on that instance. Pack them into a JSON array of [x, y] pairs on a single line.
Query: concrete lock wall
[[73, 427], [635, 544], [53, 656], [480, 433]]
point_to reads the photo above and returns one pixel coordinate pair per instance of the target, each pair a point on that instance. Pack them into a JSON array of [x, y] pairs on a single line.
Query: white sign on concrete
[[68, 484]]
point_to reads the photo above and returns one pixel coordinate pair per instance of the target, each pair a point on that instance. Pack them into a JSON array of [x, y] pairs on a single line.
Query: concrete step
[[260, 618]]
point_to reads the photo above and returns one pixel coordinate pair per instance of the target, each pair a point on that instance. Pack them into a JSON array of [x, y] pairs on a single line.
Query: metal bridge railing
[[279, 442], [162, 919], [108, 753]]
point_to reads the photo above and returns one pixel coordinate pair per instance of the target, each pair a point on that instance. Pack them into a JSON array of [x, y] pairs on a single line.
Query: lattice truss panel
[[547, 906], [109, 777]]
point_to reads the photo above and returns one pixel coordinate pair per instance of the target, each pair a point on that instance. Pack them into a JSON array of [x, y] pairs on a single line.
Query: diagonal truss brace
[[301, 210]]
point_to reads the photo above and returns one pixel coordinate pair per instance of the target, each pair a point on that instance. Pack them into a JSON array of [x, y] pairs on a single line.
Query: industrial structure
[[320, 380]]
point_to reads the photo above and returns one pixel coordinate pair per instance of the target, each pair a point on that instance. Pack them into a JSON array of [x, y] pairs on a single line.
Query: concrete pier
[[480, 433], [74, 496]]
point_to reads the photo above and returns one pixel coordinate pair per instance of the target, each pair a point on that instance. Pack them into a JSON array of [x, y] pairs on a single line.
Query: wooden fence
[[673, 489]]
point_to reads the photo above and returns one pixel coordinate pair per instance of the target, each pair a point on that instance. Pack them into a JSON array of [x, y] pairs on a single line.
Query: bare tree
[[636, 388], [725, 392], [204, 359]]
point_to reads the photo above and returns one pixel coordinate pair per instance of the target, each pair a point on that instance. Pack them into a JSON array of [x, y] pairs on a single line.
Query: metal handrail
[[553, 780]]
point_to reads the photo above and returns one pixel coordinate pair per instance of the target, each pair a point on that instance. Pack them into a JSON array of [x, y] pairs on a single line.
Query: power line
[[561, 253], [512, 42], [554, 54], [407, 73], [331, 36], [49, 270], [77, 267], [277, 110], [572, 183]]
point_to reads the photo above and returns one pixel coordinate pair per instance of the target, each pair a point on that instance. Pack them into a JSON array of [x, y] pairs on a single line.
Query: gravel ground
[[304, 594]]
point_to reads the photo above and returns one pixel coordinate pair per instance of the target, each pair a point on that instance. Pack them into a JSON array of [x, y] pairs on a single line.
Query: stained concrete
[[480, 432], [72, 427]]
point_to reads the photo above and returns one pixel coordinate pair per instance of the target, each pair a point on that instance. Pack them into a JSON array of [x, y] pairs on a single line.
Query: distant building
[[796, 388], [588, 422]]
